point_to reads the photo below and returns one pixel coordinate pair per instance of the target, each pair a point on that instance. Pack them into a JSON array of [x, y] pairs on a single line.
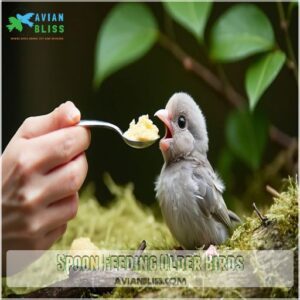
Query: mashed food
[[144, 130], [83, 243], [84, 247]]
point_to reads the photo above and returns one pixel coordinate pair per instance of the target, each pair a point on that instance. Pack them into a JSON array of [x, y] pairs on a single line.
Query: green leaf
[[261, 74], [246, 135], [128, 32], [240, 32], [191, 15]]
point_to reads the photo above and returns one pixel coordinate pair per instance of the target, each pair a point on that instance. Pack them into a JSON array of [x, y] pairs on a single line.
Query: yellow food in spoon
[[144, 130]]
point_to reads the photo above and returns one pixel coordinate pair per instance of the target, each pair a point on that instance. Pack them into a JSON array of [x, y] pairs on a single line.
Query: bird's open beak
[[165, 117]]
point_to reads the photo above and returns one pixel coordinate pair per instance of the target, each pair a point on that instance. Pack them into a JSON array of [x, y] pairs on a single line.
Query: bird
[[25, 19], [14, 24], [189, 191]]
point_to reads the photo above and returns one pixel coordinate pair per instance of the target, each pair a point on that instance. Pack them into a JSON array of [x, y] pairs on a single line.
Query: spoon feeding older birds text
[[102, 124]]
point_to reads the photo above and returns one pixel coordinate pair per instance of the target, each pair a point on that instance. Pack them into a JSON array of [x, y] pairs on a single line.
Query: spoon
[[102, 124]]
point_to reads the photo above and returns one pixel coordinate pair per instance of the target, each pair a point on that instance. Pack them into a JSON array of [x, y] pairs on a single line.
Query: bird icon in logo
[[16, 22]]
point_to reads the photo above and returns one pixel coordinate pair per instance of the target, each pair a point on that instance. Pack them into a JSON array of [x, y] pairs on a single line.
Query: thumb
[[67, 114]]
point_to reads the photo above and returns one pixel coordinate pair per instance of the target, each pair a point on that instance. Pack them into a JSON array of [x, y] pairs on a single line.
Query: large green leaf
[[127, 33], [191, 15], [246, 136], [240, 32], [261, 74]]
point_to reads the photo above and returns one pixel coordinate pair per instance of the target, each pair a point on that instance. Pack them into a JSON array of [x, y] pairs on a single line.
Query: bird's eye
[[181, 122]]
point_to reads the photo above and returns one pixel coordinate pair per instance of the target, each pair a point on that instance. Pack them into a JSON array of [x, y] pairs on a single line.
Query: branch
[[204, 73], [264, 220], [272, 191], [284, 25], [231, 95]]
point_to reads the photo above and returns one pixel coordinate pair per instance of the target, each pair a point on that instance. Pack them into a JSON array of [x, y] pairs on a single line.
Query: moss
[[281, 233], [122, 225], [125, 223]]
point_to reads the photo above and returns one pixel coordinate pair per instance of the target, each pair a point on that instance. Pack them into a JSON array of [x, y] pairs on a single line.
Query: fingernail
[[74, 115]]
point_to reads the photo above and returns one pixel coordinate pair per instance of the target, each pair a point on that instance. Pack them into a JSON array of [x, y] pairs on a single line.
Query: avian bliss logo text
[[39, 23]]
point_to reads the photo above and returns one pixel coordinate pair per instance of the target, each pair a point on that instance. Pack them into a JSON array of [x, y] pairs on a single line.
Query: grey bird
[[188, 189]]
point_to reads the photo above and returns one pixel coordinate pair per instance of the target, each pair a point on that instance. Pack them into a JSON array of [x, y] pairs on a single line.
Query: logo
[[16, 22], [36, 25]]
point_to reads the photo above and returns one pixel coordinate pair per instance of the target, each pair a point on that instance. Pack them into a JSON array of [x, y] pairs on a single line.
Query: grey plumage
[[188, 190]]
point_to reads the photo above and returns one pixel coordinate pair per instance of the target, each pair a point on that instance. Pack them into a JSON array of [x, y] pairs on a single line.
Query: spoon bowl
[[129, 142]]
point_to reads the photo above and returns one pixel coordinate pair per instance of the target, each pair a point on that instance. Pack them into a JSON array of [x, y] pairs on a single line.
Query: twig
[[139, 252], [284, 25], [285, 158], [265, 221], [272, 191], [141, 247], [190, 64], [289, 11], [168, 25], [280, 137], [231, 95]]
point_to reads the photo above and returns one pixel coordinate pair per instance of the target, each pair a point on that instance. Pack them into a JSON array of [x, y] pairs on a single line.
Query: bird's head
[[185, 128]]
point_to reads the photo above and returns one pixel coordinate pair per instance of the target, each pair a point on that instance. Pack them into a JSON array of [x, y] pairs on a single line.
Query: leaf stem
[[284, 25], [168, 25], [227, 91]]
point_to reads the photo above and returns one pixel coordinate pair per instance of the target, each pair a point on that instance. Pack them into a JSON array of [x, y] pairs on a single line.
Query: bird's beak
[[165, 117]]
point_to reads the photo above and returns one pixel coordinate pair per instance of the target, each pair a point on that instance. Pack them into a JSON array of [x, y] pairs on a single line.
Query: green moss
[[281, 233], [122, 225]]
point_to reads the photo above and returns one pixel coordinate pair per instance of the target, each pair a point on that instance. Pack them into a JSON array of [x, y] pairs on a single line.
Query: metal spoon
[[102, 124]]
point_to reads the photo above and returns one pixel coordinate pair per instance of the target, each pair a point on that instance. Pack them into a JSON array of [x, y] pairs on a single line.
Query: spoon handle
[[102, 124]]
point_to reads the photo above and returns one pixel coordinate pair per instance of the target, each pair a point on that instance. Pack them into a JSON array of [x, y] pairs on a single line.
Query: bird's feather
[[28, 16], [10, 27], [233, 217], [12, 20], [19, 26], [212, 202]]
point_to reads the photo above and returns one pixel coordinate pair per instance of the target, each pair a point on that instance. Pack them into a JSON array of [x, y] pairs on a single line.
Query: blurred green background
[[39, 75]]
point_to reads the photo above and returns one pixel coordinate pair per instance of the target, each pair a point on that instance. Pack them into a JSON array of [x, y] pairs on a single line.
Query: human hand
[[43, 167]]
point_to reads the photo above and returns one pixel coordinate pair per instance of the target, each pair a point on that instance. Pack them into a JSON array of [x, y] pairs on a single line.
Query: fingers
[[63, 181], [44, 166], [63, 116], [41, 242], [52, 236], [59, 213], [59, 147], [42, 190], [34, 225]]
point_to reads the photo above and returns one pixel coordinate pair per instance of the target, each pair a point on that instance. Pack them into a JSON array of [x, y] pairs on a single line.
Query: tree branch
[[284, 25], [231, 95]]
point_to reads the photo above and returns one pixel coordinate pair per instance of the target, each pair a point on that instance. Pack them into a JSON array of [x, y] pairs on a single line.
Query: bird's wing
[[209, 195], [10, 27], [28, 16], [12, 20], [233, 217], [18, 25]]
